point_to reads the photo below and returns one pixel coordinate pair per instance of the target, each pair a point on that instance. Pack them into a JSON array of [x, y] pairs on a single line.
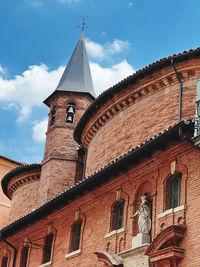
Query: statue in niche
[[144, 213]]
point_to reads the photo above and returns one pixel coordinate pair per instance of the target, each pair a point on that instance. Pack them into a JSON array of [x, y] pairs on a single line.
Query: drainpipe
[[85, 159], [13, 247], [180, 90]]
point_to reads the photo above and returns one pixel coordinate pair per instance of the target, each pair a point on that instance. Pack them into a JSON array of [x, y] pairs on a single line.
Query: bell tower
[[62, 156]]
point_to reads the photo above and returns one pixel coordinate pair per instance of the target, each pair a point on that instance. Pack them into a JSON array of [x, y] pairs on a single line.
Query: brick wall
[[151, 112], [5, 166], [95, 210], [59, 166]]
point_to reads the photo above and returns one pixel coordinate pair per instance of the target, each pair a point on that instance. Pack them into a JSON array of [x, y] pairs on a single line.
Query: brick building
[[137, 140], [6, 165]]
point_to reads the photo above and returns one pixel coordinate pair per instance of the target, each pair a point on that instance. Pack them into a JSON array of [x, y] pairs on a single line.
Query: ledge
[[133, 251], [4, 204], [46, 264], [115, 232], [170, 211], [73, 254]]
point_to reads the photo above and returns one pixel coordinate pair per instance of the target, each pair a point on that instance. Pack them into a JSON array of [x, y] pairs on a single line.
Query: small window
[[24, 257], [173, 191], [117, 215], [175, 198], [70, 113], [53, 116], [4, 262], [75, 235], [47, 249]]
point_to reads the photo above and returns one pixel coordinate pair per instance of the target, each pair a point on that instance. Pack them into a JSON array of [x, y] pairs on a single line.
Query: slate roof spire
[[76, 76]]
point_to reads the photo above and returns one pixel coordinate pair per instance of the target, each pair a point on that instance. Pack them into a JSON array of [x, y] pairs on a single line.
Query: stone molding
[[49, 263], [171, 211], [114, 232], [21, 181], [73, 254]]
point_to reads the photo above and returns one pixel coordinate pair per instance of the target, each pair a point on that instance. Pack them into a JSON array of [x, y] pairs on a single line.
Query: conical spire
[[77, 76]]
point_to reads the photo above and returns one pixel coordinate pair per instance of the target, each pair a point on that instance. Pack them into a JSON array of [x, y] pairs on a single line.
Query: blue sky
[[37, 38]]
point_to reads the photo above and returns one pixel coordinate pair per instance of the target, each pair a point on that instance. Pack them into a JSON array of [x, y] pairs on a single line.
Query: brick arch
[[145, 187], [165, 246], [109, 259], [182, 169], [123, 196]]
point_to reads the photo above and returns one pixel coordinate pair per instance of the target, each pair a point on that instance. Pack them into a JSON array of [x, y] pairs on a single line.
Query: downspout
[[180, 90], [13, 247], [84, 165]]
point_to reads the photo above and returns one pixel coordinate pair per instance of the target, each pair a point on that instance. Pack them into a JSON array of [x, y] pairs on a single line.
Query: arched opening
[[53, 116], [75, 235], [47, 249], [70, 112], [4, 262], [24, 256], [117, 215], [145, 187], [172, 194]]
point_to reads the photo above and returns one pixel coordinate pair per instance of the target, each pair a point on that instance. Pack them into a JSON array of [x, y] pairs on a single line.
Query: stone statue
[[144, 213]]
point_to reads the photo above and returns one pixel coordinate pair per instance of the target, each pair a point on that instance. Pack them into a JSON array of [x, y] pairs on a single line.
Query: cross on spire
[[83, 23]]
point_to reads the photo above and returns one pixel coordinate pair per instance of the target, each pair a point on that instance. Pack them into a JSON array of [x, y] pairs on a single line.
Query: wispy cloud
[[2, 70], [100, 52], [39, 130], [35, 3], [129, 4]]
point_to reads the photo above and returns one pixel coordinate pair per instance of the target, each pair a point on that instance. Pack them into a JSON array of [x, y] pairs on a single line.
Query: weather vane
[[83, 24]]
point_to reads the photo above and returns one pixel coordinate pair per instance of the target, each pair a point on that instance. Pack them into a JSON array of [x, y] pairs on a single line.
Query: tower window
[[117, 215], [70, 113], [24, 256], [53, 116], [4, 262], [75, 235], [48, 242], [173, 191]]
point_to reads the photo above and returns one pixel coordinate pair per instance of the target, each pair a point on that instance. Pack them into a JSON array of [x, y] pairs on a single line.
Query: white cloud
[[100, 52], [29, 89], [33, 86], [110, 77], [95, 50], [103, 78], [39, 130]]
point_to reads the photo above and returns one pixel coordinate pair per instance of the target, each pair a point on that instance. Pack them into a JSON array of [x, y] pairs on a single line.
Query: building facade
[[6, 165], [119, 182]]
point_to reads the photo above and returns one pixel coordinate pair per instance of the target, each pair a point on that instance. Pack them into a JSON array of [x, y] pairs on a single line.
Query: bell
[[71, 110], [69, 118]]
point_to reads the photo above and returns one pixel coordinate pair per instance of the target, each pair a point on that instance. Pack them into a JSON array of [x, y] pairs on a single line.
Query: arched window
[[53, 116], [70, 112], [75, 235], [24, 256], [117, 215], [47, 249], [173, 191], [4, 262]]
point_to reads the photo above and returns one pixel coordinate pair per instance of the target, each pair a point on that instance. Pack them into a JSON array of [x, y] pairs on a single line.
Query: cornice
[[132, 95], [14, 185]]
